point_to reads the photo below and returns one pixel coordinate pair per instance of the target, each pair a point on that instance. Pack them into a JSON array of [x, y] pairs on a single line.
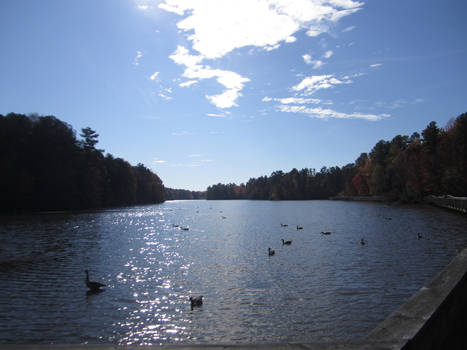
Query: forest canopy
[[46, 167], [405, 169]]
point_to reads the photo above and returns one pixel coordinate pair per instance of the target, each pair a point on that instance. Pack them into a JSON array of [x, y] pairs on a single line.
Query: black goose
[[299, 227], [362, 242], [326, 232], [92, 285], [271, 252], [286, 242], [196, 301]]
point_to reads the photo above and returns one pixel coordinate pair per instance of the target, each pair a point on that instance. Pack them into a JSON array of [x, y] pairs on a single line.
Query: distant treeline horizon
[[46, 167], [404, 169]]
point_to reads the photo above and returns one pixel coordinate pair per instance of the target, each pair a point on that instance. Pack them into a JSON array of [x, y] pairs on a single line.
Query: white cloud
[[139, 55], [196, 155], [143, 7], [328, 54], [183, 57], [233, 82], [217, 115], [293, 100], [165, 97], [375, 65], [217, 27], [158, 161], [315, 63], [154, 76], [310, 85], [322, 113], [307, 58], [188, 83], [348, 29]]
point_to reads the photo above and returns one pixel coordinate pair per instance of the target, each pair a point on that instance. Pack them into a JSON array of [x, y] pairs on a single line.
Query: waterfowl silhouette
[[286, 242], [196, 301], [299, 227], [326, 232], [284, 225], [92, 285], [419, 235], [362, 242], [271, 252]]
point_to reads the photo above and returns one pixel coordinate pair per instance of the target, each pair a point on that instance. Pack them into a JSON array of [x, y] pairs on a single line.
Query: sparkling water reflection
[[322, 287]]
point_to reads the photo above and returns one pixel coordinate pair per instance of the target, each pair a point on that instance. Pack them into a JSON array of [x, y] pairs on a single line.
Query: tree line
[[46, 167], [405, 169], [174, 194]]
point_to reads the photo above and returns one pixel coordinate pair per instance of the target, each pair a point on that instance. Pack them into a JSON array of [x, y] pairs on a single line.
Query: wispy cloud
[[315, 63], [310, 85], [139, 55], [328, 54], [375, 65], [217, 115], [348, 29], [188, 83], [322, 113], [293, 100], [157, 161], [164, 96], [154, 76]]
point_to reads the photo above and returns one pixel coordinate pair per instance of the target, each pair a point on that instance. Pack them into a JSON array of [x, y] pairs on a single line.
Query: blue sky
[[208, 91]]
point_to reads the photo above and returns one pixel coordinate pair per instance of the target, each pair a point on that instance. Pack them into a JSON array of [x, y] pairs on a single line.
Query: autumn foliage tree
[[405, 169]]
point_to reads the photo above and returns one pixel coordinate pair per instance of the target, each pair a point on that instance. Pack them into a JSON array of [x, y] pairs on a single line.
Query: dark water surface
[[320, 288]]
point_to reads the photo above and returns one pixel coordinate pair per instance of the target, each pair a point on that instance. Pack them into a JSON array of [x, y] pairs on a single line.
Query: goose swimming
[[271, 252], [92, 285], [196, 301], [286, 242], [299, 227]]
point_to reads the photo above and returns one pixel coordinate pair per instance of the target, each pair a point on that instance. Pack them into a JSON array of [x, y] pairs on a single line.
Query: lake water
[[320, 288]]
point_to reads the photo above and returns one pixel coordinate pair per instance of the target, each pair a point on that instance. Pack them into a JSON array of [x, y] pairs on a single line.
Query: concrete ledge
[[434, 318]]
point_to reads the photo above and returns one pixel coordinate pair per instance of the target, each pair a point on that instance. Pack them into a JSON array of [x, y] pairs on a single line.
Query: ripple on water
[[319, 288]]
